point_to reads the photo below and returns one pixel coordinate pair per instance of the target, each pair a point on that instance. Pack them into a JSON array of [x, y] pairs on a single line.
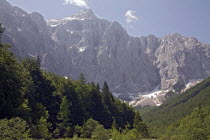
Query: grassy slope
[[178, 107]]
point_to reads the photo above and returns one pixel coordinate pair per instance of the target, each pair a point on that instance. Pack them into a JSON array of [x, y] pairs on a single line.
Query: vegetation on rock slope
[[179, 111]]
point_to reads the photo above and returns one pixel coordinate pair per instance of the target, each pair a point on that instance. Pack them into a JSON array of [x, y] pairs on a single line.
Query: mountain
[[102, 50]]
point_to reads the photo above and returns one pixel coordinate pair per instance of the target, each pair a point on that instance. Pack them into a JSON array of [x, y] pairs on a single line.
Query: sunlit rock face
[[103, 50]]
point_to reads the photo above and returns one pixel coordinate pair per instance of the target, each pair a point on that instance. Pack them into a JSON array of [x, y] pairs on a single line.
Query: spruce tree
[[82, 79], [98, 88], [41, 91], [41, 129], [108, 101], [140, 126], [64, 118], [78, 111], [1, 31], [105, 89], [14, 84]]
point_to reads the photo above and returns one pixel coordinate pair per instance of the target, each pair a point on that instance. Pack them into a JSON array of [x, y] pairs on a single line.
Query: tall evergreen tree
[[140, 126], [108, 101], [1, 30], [82, 79], [41, 91], [64, 118], [98, 88], [40, 130], [105, 89], [14, 84]]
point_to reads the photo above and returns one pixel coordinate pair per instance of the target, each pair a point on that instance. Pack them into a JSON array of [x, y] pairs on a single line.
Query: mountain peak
[[82, 15], [87, 12]]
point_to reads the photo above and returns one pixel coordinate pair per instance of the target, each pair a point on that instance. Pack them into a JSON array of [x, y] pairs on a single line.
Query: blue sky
[[158, 17]]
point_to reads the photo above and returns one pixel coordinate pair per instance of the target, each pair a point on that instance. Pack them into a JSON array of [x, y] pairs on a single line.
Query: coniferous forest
[[36, 104]]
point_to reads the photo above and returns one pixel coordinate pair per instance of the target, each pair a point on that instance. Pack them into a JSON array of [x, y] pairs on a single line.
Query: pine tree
[[98, 88], [1, 31], [105, 89], [82, 79], [14, 84], [41, 91], [88, 128], [41, 129], [78, 111], [93, 84], [64, 118], [108, 102], [140, 126]]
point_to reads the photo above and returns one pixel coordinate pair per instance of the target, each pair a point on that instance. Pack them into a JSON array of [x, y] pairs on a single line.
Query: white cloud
[[79, 3], [130, 17]]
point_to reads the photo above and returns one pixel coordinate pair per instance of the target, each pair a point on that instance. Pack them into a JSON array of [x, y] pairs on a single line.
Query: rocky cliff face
[[180, 59], [103, 50]]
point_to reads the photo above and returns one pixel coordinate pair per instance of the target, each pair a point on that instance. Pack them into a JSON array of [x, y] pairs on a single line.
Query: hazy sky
[[139, 17]]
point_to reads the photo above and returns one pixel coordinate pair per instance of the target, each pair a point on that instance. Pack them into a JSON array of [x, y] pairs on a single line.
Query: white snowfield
[[156, 97]]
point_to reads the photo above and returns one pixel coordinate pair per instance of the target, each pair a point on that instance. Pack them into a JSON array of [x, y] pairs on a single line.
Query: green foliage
[[14, 128], [126, 134], [100, 133], [88, 128], [64, 114], [140, 126], [195, 126], [1, 31], [41, 92], [41, 129], [92, 129], [82, 79], [176, 107], [14, 83], [64, 118]]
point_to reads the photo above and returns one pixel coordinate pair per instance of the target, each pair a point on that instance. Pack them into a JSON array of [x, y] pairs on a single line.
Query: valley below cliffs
[[103, 50]]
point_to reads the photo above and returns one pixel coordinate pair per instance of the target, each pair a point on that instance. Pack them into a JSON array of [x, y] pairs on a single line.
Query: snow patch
[[192, 81], [72, 18], [153, 94], [31, 55], [52, 20], [116, 87], [82, 49], [157, 96], [153, 98], [54, 25], [19, 29], [70, 31]]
